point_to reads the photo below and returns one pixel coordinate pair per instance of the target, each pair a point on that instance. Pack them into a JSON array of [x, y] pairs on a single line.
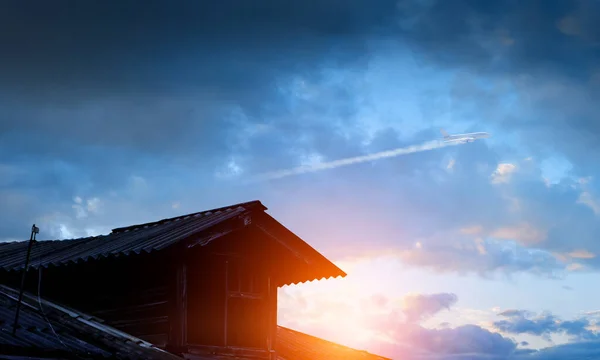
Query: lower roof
[[47, 330], [294, 345]]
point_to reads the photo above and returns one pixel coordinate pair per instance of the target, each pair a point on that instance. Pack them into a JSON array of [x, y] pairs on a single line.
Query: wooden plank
[[178, 303], [272, 303], [182, 301]]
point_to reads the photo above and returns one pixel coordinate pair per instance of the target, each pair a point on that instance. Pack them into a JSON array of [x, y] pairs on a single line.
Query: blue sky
[[113, 115]]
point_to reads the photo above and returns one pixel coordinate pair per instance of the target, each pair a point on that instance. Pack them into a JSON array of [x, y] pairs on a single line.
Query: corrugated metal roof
[[316, 266], [64, 331], [122, 241], [294, 345], [158, 235]]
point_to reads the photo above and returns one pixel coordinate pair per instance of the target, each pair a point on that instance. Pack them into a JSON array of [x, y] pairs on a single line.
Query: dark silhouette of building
[[200, 285]]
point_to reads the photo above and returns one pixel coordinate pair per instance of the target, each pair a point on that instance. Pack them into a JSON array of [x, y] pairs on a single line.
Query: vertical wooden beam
[[173, 313], [178, 304], [182, 302], [267, 304], [272, 304]]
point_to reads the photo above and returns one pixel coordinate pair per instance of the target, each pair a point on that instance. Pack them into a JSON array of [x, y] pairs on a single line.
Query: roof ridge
[[252, 203]]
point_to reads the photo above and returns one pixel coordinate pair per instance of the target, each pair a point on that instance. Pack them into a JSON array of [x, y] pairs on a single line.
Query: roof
[[133, 239], [294, 345], [47, 330], [159, 235]]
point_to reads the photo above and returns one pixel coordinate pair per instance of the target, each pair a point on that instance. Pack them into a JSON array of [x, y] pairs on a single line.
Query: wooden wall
[[230, 298]]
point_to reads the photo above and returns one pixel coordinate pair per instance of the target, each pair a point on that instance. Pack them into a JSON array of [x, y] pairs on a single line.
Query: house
[[198, 285]]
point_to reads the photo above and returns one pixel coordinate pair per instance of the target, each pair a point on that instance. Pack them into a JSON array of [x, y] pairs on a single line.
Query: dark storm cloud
[[141, 74], [532, 36], [136, 60], [533, 67], [156, 46], [93, 93]]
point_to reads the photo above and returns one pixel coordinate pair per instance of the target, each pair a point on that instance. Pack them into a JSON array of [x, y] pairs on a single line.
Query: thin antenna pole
[[34, 230]]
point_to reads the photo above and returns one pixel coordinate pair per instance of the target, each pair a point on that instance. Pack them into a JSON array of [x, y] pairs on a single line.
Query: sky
[[116, 113]]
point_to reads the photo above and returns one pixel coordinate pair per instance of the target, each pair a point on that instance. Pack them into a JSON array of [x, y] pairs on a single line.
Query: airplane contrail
[[429, 145]]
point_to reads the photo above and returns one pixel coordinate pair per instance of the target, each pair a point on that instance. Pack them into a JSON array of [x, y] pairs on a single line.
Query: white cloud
[[138, 183], [92, 206], [590, 201], [450, 165], [65, 232], [230, 170], [503, 173], [79, 211]]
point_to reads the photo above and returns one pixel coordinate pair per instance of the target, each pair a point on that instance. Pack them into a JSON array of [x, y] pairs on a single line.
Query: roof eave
[[312, 280]]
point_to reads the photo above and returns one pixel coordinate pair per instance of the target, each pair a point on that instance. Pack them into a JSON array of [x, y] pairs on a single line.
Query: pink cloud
[[390, 327]]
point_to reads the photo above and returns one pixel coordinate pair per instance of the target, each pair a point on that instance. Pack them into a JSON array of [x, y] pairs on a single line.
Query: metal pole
[[34, 230]]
